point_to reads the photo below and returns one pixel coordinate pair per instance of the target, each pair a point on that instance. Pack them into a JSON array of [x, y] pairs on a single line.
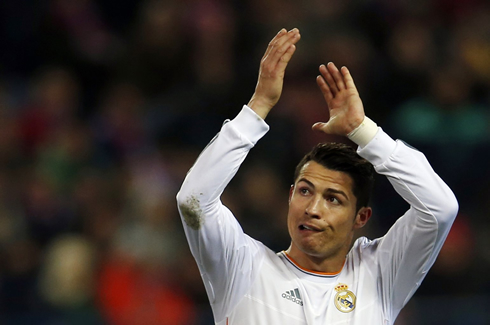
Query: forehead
[[323, 177]]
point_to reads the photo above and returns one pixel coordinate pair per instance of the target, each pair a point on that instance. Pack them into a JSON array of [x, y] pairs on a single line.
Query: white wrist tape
[[364, 133]]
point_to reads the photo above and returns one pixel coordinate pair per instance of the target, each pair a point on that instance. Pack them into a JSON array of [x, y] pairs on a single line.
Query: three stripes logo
[[294, 296]]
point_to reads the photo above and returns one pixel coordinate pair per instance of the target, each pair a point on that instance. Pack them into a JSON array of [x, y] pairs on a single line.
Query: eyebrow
[[328, 190]]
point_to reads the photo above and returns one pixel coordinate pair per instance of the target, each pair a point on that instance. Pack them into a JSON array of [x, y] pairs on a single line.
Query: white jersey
[[249, 284]]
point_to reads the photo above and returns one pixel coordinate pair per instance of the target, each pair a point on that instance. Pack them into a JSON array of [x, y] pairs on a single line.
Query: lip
[[308, 227]]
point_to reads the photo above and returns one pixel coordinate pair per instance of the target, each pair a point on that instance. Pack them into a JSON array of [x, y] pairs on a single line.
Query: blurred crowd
[[105, 104]]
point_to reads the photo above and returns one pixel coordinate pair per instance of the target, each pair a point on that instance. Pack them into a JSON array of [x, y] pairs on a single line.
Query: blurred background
[[105, 104]]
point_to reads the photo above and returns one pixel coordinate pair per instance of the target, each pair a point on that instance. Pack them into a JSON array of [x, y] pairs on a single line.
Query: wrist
[[364, 133], [259, 107]]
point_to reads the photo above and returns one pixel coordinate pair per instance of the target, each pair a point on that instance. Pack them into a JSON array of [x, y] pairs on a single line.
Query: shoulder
[[363, 243], [363, 249]]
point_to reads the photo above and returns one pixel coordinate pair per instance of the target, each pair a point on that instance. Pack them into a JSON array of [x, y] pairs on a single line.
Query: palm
[[344, 104], [272, 70]]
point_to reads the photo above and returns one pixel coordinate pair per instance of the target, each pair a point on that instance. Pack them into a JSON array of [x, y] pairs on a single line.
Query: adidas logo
[[294, 296]]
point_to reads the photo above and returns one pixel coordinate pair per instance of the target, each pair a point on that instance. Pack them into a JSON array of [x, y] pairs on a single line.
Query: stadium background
[[105, 104]]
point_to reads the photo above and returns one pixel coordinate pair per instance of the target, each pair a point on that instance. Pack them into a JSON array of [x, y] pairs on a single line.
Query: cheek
[[343, 219], [295, 206], [294, 213], [291, 218]]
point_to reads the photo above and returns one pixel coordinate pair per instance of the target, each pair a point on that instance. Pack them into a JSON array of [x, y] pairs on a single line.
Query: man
[[319, 279]]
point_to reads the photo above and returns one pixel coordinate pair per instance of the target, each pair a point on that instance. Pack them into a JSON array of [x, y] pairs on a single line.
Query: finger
[[337, 76], [317, 126], [273, 42], [283, 62], [278, 40], [269, 60], [324, 87], [282, 45], [349, 81], [327, 76], [321, 127]]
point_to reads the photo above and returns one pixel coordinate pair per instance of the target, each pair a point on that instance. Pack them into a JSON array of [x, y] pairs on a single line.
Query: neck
[[318, 263]]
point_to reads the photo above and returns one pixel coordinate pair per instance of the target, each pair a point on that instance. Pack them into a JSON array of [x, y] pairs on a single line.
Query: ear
[[291, 190], [362, 217]]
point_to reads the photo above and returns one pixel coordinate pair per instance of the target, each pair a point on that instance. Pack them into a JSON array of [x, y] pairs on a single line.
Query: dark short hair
[[343, 158]]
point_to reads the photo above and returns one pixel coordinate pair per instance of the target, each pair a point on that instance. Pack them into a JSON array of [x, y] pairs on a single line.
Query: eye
[[304, 191], [333, 200]]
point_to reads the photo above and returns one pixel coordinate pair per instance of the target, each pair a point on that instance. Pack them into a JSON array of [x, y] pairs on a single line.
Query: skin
[[272, 69], [315, 198], [322, 200], [342, 98]]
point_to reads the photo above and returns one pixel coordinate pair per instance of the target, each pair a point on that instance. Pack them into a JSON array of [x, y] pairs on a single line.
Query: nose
[[314, 207]]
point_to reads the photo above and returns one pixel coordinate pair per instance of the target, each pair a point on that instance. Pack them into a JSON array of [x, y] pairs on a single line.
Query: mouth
[[304, 227]]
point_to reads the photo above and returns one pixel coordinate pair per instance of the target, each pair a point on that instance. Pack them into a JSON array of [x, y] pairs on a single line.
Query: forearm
[[408, 250], [219, 162], [215, 237], [412, 176], [216, 166]]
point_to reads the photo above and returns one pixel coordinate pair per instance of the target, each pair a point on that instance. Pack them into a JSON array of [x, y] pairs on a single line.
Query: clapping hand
[[272, 69], [343, 101]]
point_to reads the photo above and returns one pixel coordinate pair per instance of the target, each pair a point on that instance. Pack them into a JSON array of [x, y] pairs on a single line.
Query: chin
[[311, 250]]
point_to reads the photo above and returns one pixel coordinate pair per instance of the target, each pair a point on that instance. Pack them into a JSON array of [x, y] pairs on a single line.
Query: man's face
[[322, 213]]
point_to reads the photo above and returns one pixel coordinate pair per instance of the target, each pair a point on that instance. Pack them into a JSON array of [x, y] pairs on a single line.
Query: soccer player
[[321, 278]]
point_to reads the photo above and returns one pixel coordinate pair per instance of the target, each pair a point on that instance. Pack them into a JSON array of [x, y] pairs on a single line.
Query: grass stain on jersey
[[192, 213]]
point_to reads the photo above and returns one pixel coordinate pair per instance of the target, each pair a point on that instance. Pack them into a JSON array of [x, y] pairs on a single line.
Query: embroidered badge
[[345, 300]]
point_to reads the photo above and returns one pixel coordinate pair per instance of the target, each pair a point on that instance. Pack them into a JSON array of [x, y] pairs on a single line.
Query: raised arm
[[226, 257], [405, 254], [266, 95], [347, 118]]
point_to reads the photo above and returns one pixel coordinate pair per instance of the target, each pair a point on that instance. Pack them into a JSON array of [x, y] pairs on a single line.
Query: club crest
[[345, 300]]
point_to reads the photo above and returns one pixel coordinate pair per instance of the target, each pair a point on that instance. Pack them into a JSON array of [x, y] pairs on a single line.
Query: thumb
[[320, 126]]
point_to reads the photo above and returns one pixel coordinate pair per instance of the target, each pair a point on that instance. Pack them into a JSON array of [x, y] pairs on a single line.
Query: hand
[[343, 101], [272, 69]]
